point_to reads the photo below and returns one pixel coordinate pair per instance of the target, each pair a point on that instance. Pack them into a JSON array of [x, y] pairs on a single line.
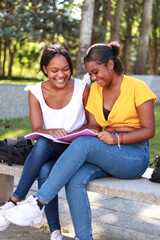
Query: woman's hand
[[107, 137], [58, 132]]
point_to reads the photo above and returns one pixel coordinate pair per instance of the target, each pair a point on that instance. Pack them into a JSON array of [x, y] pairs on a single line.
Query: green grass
[[24, 82], [21, 126], [10, 128]]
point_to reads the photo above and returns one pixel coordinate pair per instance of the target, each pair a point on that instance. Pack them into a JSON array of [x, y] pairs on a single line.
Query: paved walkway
[[113, 219]]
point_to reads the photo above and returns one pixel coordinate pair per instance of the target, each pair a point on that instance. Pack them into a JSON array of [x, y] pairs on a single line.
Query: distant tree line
[[135, 24], [33, 21]]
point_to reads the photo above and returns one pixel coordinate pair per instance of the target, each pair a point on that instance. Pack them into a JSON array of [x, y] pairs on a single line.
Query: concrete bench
[[140, 190], [7, 174]]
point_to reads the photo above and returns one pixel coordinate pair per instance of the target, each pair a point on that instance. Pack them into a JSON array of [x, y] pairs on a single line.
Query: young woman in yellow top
[[124, 107]]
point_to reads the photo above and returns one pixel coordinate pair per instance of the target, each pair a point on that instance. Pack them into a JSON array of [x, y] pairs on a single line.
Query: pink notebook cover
[[65, 139]]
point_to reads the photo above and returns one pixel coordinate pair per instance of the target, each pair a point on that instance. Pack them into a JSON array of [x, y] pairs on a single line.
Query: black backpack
[[155, 177], [15, 150]]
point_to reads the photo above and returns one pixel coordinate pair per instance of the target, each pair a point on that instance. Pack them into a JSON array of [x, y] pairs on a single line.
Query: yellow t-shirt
[[134, 92]]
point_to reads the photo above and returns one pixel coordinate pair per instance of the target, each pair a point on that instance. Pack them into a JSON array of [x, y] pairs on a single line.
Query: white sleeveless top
[[71, 117]]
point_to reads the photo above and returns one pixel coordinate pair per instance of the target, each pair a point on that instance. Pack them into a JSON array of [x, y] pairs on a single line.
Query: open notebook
[[65, 139]]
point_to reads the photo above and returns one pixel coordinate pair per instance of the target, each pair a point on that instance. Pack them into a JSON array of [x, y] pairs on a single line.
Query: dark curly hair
[[101, 53]]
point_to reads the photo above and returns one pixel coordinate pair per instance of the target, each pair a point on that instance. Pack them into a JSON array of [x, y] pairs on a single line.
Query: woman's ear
[[44, 69], [110, 64]]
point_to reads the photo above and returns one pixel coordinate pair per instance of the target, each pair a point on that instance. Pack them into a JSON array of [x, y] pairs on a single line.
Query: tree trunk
[[144, 38], [99, 22], [155, 52], [11, 53], [116, 23], [85, 35], [4, 57], [127, 51], [154, 49], [104, 20], [129, 15], [96, 22], [0, 58], [151, 55]]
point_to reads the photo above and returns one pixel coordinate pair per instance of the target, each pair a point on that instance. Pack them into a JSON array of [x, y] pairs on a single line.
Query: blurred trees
[[38, 20], [154, 41], [115, 19], [142, 48], [85, 35], [135, 24]]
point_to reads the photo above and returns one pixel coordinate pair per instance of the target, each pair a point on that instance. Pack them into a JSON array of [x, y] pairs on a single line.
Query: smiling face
[[58, 71], [100, 73]]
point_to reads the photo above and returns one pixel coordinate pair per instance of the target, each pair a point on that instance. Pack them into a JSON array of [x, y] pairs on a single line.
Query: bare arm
[[147, 123], [36, 118], [145, 132], [93, 125], [85, 98]]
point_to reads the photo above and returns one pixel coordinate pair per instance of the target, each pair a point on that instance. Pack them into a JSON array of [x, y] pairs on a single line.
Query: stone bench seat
[[140, 190]]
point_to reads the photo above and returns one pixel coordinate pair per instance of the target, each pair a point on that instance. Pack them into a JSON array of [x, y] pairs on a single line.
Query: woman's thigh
[[128, 162]]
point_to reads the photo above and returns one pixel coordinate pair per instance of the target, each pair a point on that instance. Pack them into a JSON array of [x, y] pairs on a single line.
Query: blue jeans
[[78, 201], [128, 163], [38, 165]]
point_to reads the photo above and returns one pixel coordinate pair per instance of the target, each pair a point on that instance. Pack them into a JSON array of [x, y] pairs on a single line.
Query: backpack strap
[[9, 156]]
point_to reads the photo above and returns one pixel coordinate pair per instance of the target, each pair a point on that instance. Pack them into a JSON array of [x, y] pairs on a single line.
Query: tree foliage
[[128, 27], [27, 26], [85, 35], [39, 20]]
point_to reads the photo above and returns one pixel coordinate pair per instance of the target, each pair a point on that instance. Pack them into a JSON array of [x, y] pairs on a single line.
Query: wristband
[[119, 145], [121, 135]]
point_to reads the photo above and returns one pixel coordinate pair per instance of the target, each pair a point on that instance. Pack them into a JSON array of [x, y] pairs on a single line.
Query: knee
[[42, 142], [79, 143], [77, 181], [41, 145]]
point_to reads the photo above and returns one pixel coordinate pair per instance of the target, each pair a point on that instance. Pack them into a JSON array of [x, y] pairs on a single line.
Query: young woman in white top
[[56, 107]]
